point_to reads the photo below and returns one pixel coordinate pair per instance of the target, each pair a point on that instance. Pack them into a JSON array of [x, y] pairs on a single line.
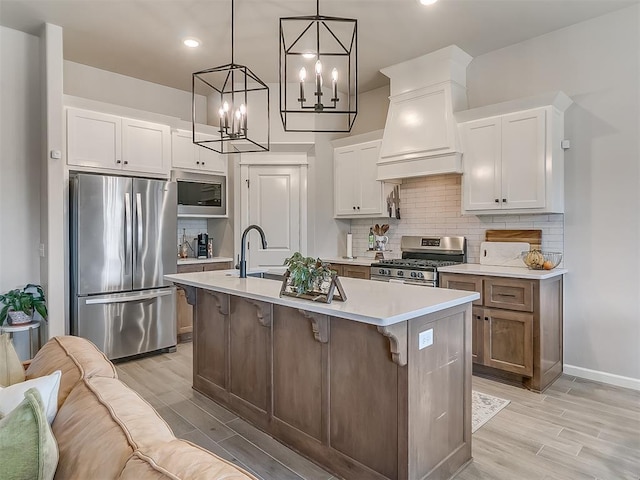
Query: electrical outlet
[[425, 339]]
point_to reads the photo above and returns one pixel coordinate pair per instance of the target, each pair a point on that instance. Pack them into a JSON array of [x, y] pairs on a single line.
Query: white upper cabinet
[[357, 193], [100, 141], [146, 146], [185, 155], [93, 139], [514, 163]]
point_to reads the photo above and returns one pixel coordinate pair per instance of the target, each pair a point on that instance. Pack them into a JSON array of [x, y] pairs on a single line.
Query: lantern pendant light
[[233, 103], [311, 47]]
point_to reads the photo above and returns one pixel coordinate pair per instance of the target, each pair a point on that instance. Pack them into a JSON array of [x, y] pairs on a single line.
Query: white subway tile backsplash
[[432, 206], [191, 228]]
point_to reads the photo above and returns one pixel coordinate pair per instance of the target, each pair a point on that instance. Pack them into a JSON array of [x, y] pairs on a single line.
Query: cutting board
[[533, 237], [506, 254]]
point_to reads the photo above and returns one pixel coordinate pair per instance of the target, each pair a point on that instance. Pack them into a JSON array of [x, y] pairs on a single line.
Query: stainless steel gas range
[[421, 257]]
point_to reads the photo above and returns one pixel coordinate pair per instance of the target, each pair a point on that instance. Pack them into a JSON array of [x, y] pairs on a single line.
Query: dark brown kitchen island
[[346, 384]]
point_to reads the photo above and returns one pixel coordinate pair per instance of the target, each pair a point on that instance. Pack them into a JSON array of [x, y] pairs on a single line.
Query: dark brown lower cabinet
[[184, 311], [363, 401], [517, 327]]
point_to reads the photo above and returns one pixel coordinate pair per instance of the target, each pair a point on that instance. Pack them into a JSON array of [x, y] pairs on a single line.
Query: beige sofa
[[105, 430]]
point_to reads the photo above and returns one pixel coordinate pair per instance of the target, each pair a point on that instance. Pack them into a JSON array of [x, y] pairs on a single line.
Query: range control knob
[[400, 273], [381, 271], [413, 274], [420, 275]]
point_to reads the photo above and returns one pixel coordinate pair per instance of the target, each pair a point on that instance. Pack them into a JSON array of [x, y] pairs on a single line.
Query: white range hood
[[421, 135]]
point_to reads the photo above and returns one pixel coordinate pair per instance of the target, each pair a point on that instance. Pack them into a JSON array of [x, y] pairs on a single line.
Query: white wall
[[108, 87], [597, 64], [20, 114]]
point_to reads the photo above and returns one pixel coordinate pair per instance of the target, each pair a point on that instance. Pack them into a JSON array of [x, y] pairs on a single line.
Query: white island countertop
[[498, 271], [376, 303]]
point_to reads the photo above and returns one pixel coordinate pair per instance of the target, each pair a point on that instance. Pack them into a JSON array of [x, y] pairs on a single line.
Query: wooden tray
[[334, 291]]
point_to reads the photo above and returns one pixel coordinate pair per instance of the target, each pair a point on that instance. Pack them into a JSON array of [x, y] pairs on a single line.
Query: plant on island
[[307, 274]]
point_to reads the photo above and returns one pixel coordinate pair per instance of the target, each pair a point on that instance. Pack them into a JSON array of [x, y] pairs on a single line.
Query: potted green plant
[[307, 274], [20, 304]]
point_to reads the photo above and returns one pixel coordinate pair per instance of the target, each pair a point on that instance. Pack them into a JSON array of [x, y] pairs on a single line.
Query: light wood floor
[[577, 429]]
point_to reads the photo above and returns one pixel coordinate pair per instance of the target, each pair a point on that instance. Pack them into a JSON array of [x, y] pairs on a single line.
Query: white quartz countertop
[[497, 271], [193, 261], [376, 303]]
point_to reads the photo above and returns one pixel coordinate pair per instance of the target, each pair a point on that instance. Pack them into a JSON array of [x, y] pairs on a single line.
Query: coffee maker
[[202, 246]]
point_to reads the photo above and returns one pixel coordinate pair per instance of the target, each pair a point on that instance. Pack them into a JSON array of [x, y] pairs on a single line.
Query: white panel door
[[146, 146], [371, 194], [346, 181], [523, 160], [93, 139], [274, 204], [482, 143]]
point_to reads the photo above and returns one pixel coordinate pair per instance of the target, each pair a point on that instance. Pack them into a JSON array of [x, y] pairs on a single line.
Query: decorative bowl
[[539, 260]]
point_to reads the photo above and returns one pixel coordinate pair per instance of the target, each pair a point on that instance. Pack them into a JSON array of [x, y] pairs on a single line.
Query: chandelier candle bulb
[[318, 80], [334, 82], [303, 77]]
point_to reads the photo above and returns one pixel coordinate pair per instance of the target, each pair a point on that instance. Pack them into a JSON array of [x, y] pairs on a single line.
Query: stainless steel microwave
[[202, 197]]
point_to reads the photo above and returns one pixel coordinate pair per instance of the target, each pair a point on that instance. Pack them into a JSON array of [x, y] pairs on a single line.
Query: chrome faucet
[[243, 262]]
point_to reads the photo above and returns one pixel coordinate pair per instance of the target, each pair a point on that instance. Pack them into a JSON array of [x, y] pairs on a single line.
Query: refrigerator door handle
[[127, 233], [139, 217], [131, 298]]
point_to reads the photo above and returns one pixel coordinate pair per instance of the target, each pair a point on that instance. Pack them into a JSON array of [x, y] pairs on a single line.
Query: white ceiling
[[143, 38]]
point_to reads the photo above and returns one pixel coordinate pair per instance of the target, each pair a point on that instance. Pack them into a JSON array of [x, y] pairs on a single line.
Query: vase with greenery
[[307, 274], [28, 300]]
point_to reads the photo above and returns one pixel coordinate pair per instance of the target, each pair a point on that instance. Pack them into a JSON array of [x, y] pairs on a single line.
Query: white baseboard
[[604, 377]]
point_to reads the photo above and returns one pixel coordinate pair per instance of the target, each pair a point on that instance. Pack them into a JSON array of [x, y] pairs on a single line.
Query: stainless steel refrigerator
[[123, 241]]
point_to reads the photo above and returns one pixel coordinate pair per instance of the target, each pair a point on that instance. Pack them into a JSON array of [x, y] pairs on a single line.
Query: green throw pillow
[[28, 449]]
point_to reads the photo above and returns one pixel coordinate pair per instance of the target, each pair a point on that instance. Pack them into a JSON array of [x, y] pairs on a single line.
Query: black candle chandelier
[[311, 47], [238, 107]]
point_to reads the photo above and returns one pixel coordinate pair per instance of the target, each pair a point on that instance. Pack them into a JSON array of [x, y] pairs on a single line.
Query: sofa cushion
[[101, 423], [180, 460], [11, 370], [28, 449], [76, 357]]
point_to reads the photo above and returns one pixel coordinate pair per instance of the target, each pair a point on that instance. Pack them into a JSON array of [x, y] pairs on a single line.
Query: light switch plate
[[425, 339]]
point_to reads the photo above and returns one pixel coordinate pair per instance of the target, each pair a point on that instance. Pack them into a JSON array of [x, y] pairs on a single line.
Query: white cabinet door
[[146, 146], [482, 141], [183, 153], [210, 161], [371, 192], [93, 139], [523, 160], [346, 181], [274, 204]]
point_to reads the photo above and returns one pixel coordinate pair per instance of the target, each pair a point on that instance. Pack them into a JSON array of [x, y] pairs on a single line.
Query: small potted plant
[[310, 278], [307, 273], [20, 304]]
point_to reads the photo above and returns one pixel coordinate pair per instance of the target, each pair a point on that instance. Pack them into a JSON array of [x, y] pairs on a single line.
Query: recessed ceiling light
[[191, 42], [427, 2]]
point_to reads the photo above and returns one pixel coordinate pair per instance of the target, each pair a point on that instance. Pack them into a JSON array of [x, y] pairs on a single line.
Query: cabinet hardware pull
[[497, 200], [511, 295], [354, 208], [358, 207], [197, 163], [118, 161], [486, 318], [504, 200], [126, 162]]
